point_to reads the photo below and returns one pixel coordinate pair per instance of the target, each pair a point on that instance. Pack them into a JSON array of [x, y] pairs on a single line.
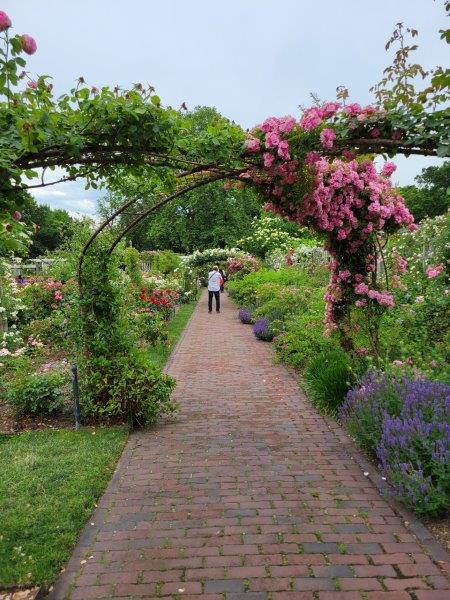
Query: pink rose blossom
[[268, 159], [57, 295], [5, 21], [353, 110], [311, 119], [396, 135], [360, 303], [287, 124], [327, 137], [388, 169], [253, 144], [28, 44], [283, 150], [375, 133], [434, 271], [362, 351], [272, 139], [32, 85], [16, 215]]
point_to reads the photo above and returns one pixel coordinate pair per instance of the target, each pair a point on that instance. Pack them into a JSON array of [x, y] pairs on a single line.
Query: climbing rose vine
[[344, 198]]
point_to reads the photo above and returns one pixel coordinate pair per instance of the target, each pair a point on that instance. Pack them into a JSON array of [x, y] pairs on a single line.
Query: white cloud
[[37, 193]]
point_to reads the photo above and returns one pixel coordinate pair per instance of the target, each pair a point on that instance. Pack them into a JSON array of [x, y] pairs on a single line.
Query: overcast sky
[[248, 58]]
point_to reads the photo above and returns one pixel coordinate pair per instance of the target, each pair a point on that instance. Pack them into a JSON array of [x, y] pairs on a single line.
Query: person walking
[[214, 278], [223, 280]]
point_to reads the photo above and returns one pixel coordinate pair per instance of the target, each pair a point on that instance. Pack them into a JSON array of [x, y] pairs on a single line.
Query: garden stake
[[76, 397]]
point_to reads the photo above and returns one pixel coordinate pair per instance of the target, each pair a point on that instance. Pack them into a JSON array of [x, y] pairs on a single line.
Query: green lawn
[[160, 353], [49, 482]]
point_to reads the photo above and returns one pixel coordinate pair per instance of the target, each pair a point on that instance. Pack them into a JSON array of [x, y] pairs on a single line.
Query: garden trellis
[[317, 171]]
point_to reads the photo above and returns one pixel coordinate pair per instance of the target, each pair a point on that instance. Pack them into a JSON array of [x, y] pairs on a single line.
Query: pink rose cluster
[[314, 116], [350, 201], [433, 272]]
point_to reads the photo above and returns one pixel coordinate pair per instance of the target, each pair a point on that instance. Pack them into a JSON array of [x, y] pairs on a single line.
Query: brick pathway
[[249, 495]]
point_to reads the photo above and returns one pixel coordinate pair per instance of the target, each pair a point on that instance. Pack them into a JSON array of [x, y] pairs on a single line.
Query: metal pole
[[76, 397]]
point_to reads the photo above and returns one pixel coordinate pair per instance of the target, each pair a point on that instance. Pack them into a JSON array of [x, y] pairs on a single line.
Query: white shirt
[[214, 278]]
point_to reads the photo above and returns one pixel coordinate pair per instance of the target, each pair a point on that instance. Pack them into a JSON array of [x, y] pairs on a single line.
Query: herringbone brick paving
[[248, 495]]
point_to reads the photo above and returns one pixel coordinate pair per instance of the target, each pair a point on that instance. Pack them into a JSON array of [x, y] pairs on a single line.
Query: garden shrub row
[[397, 416]]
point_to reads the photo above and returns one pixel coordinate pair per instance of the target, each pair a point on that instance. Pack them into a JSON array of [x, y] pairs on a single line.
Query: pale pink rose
[[5, 352], [32, 84], [5, 21], [28, 44], [252, 144]]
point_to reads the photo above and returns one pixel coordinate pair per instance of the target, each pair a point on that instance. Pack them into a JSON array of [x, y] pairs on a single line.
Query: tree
[[432, 196], [51, 226]]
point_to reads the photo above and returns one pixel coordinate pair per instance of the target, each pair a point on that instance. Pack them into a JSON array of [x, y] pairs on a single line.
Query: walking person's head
[[215, 268]]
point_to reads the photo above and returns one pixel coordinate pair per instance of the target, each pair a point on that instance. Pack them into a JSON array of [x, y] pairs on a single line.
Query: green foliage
[[49, 483], [152, 329], [432, 196], [118, 382], [126, 388], [165, 262], [327, 379], [50, 227], [303, 337], [132, 260], [36, 394]]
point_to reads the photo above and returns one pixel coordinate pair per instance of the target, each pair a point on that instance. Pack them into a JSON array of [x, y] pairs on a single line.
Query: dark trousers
[[210, 300]]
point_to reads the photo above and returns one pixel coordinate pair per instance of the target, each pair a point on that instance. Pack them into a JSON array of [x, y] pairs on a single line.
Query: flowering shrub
[[245, 316], [345, 199], [245, 263], [40, 298], [267, 234], [405, 423], [262, 331], [159, 300]]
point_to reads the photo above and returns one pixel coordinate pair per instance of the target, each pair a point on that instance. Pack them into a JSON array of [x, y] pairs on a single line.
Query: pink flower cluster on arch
[[349, 201]]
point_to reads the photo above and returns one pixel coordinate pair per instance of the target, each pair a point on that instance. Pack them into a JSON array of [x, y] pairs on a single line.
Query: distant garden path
[[249, 494]]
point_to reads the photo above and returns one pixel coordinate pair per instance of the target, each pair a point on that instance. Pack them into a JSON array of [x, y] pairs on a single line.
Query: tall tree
[[50, 226], [431, 197]]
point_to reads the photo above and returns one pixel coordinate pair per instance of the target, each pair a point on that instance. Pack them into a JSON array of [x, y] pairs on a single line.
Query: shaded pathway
[[248, 495]]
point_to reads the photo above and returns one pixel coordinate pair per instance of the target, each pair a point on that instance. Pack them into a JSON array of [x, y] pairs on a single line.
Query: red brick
[[411, 583], [363, 584], [189, 587]]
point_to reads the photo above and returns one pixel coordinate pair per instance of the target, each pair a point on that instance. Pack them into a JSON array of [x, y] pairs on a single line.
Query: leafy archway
[[317, 171]]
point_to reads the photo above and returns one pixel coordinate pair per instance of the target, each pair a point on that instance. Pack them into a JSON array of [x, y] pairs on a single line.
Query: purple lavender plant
[[406, 424], [245, 316], [261, 329]]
